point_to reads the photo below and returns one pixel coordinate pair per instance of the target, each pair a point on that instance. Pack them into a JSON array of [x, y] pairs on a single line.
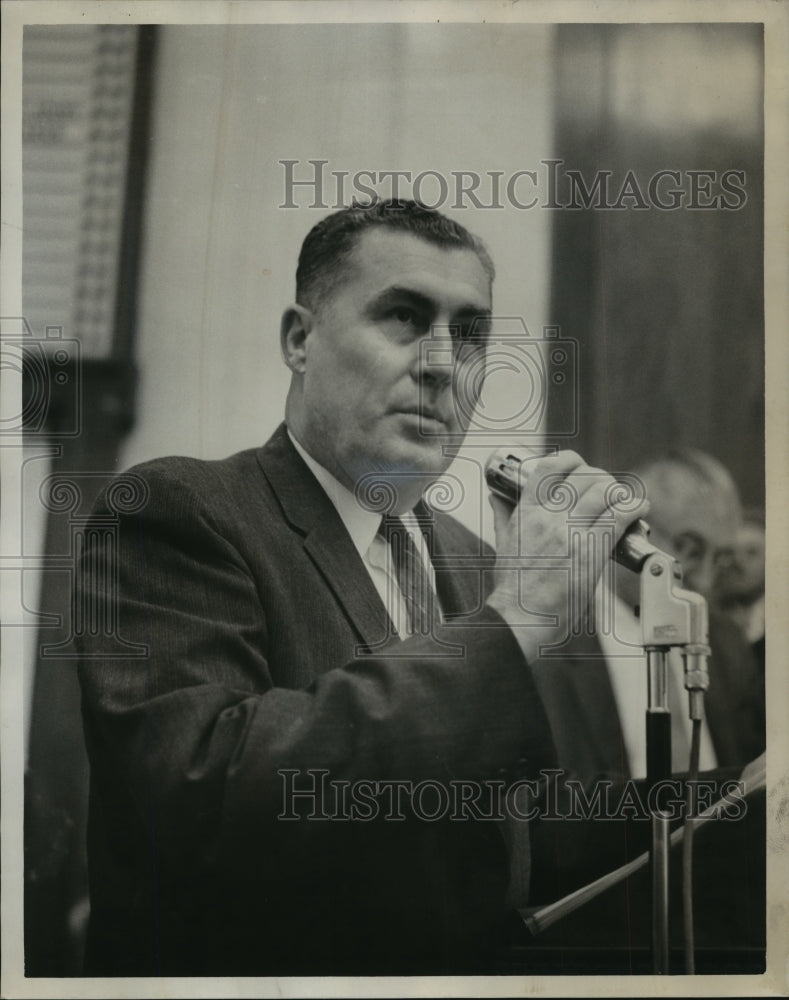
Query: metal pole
[[658, 722]]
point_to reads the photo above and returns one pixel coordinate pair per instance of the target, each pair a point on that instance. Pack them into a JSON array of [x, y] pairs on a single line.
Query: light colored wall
[[219, 254]]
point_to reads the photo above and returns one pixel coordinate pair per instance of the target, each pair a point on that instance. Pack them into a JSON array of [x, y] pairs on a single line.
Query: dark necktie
[[412, 575]]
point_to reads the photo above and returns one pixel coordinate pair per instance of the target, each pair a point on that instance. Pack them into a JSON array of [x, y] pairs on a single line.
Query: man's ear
[[691, 550], [297, 322]]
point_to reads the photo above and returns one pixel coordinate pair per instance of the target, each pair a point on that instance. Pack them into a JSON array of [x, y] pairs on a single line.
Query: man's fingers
[[598, 491], [502, 512], [501, 509], [591, 494], [552, 467]]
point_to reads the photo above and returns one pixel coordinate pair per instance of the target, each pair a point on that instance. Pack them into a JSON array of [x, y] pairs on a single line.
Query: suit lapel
[[310, 512], [330, 548]]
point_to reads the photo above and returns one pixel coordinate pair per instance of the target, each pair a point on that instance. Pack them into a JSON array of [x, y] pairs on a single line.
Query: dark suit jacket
[[256, 611]]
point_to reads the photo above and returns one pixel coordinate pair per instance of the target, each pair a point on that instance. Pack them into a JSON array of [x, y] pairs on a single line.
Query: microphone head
[[504, 473]]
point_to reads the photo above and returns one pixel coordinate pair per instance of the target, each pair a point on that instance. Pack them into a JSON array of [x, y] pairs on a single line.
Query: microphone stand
[[671, 617]]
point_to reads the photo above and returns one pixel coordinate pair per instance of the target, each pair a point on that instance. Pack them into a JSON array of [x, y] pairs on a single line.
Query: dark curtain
[[667, 304]]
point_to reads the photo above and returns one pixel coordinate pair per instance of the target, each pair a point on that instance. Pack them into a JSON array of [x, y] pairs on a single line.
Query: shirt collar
[[361, 525]]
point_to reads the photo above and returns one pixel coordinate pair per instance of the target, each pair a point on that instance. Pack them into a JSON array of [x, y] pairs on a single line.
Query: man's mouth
[[424, 413]]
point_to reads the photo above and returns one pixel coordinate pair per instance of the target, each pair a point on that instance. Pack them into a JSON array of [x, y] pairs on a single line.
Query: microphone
[[506, 477]]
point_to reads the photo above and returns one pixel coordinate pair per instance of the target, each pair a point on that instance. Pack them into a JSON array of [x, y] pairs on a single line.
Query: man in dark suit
[[274, 690]]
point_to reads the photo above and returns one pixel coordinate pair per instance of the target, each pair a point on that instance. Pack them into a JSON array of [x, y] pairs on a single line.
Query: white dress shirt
[[362, 525]]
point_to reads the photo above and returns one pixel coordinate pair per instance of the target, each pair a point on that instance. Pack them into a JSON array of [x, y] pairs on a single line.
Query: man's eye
[[468, 341], [404, 315], [475, 330]]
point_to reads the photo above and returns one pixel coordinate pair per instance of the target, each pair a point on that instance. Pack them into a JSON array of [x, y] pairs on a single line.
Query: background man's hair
[[324, 255], [690, 490]]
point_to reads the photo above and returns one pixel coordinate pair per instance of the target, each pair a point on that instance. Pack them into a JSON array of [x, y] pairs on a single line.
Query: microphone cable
[[697, 680]]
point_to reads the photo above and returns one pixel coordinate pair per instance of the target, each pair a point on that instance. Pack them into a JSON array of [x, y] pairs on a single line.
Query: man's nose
[[435, 362]]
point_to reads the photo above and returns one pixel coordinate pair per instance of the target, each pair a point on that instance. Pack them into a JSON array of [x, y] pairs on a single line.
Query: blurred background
[[158, 259]]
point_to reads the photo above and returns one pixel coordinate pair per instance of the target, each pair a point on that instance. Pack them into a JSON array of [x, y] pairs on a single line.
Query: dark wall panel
[[667, 304]]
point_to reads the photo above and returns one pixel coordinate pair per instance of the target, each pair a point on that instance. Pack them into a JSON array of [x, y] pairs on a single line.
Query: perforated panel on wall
[[78, 89]]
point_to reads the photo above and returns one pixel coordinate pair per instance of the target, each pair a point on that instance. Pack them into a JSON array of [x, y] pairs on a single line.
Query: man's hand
[[552, 547]]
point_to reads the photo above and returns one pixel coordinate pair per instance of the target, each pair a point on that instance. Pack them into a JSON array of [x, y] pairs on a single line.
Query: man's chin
[[405, 470]]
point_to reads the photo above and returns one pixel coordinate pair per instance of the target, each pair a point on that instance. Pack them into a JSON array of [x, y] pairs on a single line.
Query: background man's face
[[741, 566], [371, 400]]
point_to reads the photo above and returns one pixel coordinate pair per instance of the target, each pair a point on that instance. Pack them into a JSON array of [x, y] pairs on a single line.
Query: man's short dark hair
[[328, 245]]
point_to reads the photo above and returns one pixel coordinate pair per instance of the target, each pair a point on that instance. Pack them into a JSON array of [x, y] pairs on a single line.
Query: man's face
[[740, 568], [371, 399]]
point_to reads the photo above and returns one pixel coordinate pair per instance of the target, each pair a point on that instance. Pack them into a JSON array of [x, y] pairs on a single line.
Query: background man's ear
[[692, 550], [297, 322]]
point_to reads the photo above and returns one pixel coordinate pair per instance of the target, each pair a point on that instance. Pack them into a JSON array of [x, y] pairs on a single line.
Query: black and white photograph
[[394, 463]]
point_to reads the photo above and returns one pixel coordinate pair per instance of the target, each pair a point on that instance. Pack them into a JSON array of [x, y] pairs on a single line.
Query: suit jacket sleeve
[[195, 734]]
